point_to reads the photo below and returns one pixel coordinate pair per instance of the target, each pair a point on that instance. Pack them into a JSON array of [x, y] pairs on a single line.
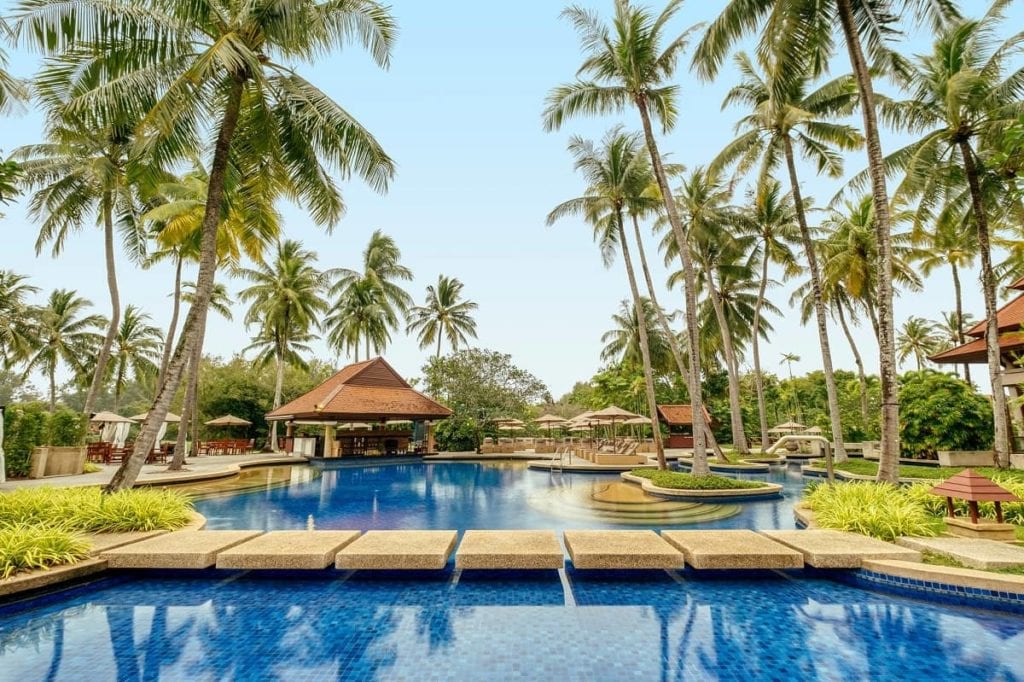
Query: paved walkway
[[196, 468]]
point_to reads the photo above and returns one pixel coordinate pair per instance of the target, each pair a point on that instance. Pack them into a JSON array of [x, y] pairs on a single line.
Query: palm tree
[[443, 314], [378, 281], [360, 315], [917, 337], [613, 171], [962, 96], [286, 303], [136, 349], [788, 359], [220, 63], [15, 323], [12, 90], [63, 333], [628, 66], [785, 116], [622, 342], [951, 330], [798, 36]]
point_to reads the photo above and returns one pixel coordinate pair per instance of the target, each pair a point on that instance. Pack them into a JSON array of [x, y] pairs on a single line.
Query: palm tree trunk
[[861, 377], [890, 448], [438, 354], [988, 288], [739, 438], [960, 316], [819, 306], [645, 351], [278, 387], [673, 342], [195, 321], [52, 372], [700, 457], [172, 327], [118, 384], [181, 444], [762, 413], [99, 372]]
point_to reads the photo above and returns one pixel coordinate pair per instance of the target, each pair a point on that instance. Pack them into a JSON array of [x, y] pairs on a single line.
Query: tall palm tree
[[798, 36], [443, 314], [286, 304], [622, 342], [613, 171], [788, 359], [784, 116], [631, 63], [360, 315], [12, 90], [63, 333], [15, 321], [962, 96], [950, 331], [229, 64], [917, 337], [136, 349]]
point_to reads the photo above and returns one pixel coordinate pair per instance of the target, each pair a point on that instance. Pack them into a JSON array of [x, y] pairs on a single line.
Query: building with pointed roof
[[679, 420]]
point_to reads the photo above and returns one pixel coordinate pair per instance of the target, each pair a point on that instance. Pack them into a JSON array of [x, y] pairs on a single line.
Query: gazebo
[[679, 420], [371, 392]]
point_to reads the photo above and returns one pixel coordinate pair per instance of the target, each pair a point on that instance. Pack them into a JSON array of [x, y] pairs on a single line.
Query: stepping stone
[[641, 549], [983, 554], [839, 549], [101, 542], [312, 550], [181, 549], [732, 549], [398, 550], [510, 549]]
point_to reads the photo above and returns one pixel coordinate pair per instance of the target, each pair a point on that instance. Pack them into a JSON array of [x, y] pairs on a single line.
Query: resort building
[[365, 409], [679, 420]]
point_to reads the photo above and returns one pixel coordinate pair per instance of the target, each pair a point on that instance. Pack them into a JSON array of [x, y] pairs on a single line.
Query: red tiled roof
[[974, 351], [971, 486], [678, 415], [366, 391], [1019, 284], [1010, 316]]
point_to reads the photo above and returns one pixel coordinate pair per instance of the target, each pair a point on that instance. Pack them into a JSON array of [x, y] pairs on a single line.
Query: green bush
[[29, 425], [66, 428], [940, 412], [881, 510], [680, 481], [26, 547], [456, 434], [88, 510]]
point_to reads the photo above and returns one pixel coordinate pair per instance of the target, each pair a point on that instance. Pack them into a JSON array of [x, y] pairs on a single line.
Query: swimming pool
[[647, 626], [462, 495]]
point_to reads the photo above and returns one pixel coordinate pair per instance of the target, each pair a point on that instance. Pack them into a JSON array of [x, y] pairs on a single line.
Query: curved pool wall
[[482, 626], [487, 495]]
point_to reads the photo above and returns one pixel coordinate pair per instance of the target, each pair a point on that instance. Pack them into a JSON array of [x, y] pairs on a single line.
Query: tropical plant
[[63, 332], [881, 510], [360, 316], [29, 425], [631, 63], [135, 351], [15, 322], [29, 548], [622, 342], [941, 412], [916, 338], [12, 90], [950, 331], [443, 314], [85, 509]]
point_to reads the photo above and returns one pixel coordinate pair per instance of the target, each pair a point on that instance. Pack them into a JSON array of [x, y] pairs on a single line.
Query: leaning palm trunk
[[960, 316], [645, 351], [988, 287], [673, 342], [195, 321], [739, 438], [890, 432], [700, 457], [819, 306], [278, 388], [189, 423], [762, 413], [862, 379], [173, 326], [99, 372]]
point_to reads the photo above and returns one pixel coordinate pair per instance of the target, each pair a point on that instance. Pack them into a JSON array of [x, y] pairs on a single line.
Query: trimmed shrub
[[29, 425], [88, 510], [940, 412], [681, 481], [880, 510], [25, 547], [456, 434]]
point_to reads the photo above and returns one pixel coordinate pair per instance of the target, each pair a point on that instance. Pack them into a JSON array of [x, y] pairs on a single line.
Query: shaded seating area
[[235, 446], [679, 420]]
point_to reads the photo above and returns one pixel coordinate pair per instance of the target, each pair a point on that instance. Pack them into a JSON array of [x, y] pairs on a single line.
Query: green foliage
[[28, 425], [67, 428], [940, 412], [456, 434], [26, 547], [88, 510], [681, 481], [879, 510], [483, 384]]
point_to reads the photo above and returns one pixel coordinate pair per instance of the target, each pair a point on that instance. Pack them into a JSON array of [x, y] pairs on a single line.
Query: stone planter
[[47, 461], [966, 458]]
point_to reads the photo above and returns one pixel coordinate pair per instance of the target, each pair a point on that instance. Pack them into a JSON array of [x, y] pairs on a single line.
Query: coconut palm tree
[[962, 96], [631, 62], [950, 330], [443, 314], [917, 337], [360, 315], [12, 90], [136, 350], [286, 304], [797, 36], [15, 321], [63, 332], [622, 342], [613, 170], [786, 115], [788, 359], [229, 67]]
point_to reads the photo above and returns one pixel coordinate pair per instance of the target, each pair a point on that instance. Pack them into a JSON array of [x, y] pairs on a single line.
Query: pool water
[[647, 626], [461, 495]]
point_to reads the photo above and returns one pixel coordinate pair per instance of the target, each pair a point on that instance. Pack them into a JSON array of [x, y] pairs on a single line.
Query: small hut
[[971, 486], [679, 420]]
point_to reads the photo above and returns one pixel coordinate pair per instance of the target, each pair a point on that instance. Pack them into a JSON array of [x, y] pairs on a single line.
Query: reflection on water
[[461, 495], [646, 627]]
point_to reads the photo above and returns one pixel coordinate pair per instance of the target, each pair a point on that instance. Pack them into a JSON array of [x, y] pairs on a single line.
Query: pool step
[[732, 549], [510, 549], [621, 549], [398, 550]]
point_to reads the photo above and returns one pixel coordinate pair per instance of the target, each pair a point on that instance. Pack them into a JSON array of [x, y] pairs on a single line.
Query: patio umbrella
[[613, 414], [549, 420], [111, 418], [229, 420], [114, 428], [815, 430], [169, 418], [787, 427]]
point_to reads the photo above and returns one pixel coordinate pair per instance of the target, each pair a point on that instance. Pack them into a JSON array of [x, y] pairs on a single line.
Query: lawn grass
[[866, 467], [679, 481]]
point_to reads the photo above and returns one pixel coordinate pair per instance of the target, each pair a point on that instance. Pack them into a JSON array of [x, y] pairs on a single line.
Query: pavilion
[[371, 392], [679, 420], [1009, 320]]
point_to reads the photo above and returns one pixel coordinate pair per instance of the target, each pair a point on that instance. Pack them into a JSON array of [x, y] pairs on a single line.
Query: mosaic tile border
[[931, 590]]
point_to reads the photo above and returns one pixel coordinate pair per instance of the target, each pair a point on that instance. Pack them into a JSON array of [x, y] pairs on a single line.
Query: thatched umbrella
[[549, 420], [229, 420], [613, 414]]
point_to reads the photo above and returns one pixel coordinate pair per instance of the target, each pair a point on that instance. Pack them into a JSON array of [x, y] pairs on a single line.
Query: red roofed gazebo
[[679, 420], [971, 486], [367, 392]]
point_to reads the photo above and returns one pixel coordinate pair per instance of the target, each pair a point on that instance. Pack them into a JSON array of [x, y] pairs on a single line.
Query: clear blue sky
[[460, 112]]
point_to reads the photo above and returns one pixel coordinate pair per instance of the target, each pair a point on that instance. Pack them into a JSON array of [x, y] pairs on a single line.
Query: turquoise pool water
[[461, 495]]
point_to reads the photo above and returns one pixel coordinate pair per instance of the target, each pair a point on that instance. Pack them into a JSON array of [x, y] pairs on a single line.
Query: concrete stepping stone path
[[312, 550], [509, 549], [398, 550], [732, 549], [983, 554], [182, 549], [839, 549], [622, 549]]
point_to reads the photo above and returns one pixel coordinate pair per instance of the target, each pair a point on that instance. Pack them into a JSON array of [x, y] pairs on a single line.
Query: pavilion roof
[[366, 391], [975, 352], [679, 415], [1009, 317], [971, 486], [1019, 284]]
